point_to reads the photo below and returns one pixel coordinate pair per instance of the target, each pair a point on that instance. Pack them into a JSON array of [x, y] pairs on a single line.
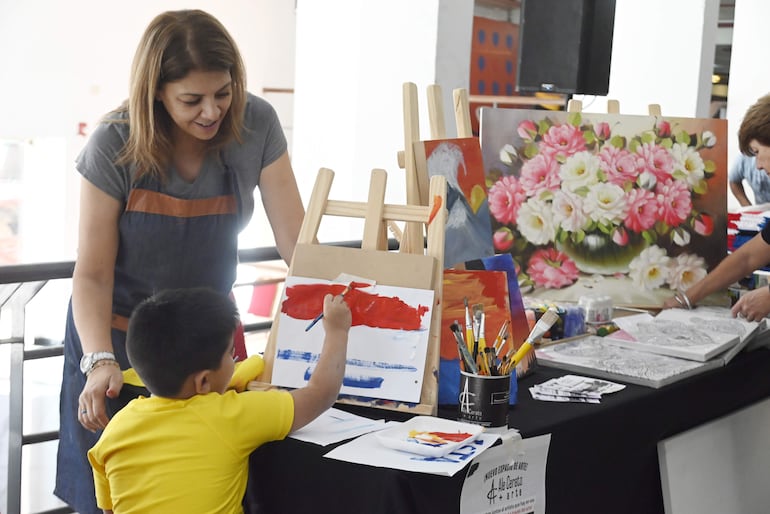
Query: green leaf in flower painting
[[709, 166], [543, 126], [618, 142], [530, 150], [648, 137], [574, 119], [683, 137], [589, 137], [649, 236], [701, 187]]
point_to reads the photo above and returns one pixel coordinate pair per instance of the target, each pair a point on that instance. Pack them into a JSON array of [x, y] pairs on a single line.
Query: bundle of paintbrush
[[478, 356], [512, 358]]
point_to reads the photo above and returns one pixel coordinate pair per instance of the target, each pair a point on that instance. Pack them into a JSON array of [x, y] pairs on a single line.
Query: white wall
[[662, 52], [351, 61], [749, 74]]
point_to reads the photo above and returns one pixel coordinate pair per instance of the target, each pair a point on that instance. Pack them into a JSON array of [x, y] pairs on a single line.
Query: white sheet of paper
[[367, 450], [381, 363], [336, 425], [509, 478]]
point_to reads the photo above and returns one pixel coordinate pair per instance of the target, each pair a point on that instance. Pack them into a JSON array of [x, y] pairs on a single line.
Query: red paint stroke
[[305, 301], [436, 206]]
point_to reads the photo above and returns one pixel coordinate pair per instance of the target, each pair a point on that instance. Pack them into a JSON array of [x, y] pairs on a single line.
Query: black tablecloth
[[602, 458]]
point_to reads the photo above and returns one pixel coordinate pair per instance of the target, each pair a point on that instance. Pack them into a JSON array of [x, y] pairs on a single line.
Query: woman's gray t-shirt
[[263, 142]]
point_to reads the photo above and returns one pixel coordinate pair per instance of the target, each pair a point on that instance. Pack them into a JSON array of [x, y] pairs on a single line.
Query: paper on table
[[576, 385], [508, 478], [367, 450], [336, 425], [547, 397]]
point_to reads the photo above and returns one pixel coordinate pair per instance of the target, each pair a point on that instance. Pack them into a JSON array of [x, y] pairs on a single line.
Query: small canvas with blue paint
[[387, 343]]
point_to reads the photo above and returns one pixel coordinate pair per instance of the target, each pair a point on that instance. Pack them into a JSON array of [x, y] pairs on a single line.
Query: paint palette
[[429, 436]]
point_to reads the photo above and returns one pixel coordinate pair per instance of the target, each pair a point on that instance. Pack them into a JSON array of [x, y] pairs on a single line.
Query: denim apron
[[165, 242]]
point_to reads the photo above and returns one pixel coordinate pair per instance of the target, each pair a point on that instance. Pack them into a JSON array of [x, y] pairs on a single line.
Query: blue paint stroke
[[463, 453], [310, 357], [361, 382], [373, 402]]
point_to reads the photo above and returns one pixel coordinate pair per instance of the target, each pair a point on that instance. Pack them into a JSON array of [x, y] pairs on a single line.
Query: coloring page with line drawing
[[678, 333], [596, 356], [387, 344]]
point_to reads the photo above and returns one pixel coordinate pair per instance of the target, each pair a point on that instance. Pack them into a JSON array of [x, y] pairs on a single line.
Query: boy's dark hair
[[177, 332], [755, 125]]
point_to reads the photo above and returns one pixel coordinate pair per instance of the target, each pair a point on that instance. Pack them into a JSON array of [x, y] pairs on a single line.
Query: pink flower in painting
[[663, 128], [503, 239], [642, 209], [541, 173], [505, 198], [704, 224], [655, 160], [619, 165], [527, 129], [620, 236], [674, 202], [551, 268], [602, 130], [561, 141]]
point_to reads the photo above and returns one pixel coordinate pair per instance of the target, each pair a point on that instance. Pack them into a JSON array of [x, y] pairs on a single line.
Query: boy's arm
[[322, 389]]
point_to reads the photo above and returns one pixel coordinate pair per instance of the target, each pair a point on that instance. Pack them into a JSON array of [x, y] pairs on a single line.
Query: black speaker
[[565, 46]]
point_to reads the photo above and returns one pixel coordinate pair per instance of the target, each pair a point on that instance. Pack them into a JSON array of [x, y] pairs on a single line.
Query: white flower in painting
[[685, 270], [649, 269], [507, 154], [680, 237], [606, 204], [579, 170], [568, 211], [535, 222], [688, 162], [709, 138]]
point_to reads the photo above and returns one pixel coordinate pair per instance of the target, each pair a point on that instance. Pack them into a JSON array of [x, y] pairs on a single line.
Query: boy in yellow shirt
[[186, 448]]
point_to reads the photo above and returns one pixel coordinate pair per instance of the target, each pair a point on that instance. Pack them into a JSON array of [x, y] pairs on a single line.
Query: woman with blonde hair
[[167, 183]]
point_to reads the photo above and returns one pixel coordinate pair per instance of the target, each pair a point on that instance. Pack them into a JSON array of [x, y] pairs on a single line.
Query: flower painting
[[632, 205]]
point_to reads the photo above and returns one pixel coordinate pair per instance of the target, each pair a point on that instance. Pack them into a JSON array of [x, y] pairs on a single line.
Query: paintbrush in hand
[[542, 326], [321, 315]]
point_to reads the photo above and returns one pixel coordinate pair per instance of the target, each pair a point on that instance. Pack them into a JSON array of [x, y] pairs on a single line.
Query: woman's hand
[[754, 305], [672, 303], [104, 381]]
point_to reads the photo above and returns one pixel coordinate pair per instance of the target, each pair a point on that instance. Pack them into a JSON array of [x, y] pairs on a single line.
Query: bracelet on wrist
[[684, 300], [101, 363]]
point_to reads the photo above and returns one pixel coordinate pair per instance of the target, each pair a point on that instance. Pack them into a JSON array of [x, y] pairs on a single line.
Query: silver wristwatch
[[89, 360]]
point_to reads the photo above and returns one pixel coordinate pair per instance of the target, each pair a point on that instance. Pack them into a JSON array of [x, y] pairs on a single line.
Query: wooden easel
[[417, 180], [613, 107], [421, 268]]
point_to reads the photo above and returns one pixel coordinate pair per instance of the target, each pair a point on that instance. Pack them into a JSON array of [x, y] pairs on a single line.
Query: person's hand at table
[[754, 305], [672, 303]]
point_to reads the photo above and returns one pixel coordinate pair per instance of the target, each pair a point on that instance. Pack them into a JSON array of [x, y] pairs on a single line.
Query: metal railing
[[18, 285]]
